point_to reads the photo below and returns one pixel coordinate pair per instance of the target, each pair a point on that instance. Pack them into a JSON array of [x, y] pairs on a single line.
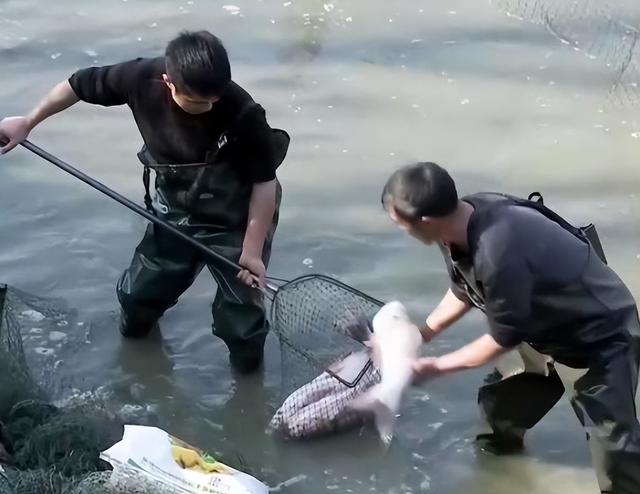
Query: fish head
[[391, 315], [393, 329]]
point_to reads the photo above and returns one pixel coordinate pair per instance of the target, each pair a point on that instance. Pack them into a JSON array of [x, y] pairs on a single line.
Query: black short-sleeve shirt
[[170, 134], [539, 283]]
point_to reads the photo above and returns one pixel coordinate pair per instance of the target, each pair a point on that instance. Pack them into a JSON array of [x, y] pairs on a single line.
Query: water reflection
[[500, 102]]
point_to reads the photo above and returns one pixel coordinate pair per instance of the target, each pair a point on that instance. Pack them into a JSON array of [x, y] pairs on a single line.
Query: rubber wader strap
[[146, 179]]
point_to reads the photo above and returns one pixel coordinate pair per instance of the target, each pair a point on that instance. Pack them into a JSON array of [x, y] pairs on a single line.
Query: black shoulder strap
[[536, 201], [146, 179], [537, 197], [586, 233], [146, 159]]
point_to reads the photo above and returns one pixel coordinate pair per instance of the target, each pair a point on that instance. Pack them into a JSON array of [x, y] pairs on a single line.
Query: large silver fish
[[394, 344]]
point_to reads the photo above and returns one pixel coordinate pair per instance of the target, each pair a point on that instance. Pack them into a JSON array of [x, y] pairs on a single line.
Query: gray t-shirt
[[539, 283]]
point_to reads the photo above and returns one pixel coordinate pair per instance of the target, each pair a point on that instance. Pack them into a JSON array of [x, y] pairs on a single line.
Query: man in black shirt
[[546, 292], [215, 160]]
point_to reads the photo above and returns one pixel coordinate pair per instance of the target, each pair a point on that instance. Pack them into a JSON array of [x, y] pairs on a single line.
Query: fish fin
[[358, 327], [376, 353], [385, 420]]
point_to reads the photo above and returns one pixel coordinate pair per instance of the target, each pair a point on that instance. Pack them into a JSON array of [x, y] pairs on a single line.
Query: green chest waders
[[210, 202]]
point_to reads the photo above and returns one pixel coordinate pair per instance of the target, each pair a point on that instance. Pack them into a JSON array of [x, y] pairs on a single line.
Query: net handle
[[270, 289]]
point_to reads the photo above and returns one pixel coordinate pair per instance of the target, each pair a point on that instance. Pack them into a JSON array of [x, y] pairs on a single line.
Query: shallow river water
[[362, 87]]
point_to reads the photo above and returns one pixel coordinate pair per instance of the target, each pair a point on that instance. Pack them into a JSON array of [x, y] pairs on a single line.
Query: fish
[[394, 346], [327, 405]]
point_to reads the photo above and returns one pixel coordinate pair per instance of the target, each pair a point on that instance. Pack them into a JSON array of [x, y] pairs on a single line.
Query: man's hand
[[425, 368], [475, 354], [13, 130], [261, 210], [255, 271]]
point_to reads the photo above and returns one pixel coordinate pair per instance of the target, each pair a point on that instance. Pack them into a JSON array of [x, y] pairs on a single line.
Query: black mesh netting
[[312, 316], [605, 30], [318, 322], [49, 447]]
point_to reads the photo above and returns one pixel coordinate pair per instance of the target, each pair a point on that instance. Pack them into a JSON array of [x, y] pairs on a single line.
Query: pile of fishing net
[[605, 31], [47, 446], [52, 443]]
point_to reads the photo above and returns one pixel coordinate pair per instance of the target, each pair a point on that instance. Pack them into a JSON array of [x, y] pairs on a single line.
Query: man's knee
[[520, 401], [144, 296], [243, 322], [132, 325], [243, 327], [246, 357], [137, 318]]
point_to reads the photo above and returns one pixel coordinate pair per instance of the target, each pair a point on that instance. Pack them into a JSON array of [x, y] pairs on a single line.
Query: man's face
[[190, 103], [422, 229]]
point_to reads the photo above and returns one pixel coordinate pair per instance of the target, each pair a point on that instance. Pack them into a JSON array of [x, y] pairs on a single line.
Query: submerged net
[[49, 446], [608, 31]]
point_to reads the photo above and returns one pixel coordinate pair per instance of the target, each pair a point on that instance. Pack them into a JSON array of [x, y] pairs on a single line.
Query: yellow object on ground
[[191, 459]]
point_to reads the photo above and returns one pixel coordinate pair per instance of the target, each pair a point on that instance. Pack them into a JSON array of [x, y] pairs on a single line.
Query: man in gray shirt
[[545, 290]]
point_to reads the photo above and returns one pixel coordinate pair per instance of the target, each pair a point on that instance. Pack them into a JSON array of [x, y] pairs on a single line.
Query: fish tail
[[385, 419], [380, 402]]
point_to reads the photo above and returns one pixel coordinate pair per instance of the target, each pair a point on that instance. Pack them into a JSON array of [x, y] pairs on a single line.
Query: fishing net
[[50, 444], [605, 30], [51, 439], [313, 317], [321, 324], [321, 406]]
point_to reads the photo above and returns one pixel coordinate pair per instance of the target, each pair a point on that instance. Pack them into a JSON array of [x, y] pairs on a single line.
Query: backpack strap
[[536, 201], [147, 160], [586, 233], [536, 197], [146, 179]]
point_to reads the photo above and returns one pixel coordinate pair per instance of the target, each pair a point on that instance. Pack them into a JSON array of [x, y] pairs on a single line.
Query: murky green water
[[362, 87]]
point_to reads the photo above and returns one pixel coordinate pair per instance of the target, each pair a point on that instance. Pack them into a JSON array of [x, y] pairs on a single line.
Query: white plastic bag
[[155, 455]]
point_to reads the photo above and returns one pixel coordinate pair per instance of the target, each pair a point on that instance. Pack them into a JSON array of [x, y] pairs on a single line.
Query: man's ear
[[398, 217]]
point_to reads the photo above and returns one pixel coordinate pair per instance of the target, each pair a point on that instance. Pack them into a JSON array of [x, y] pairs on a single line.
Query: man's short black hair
[[420, 189], [197, 63]]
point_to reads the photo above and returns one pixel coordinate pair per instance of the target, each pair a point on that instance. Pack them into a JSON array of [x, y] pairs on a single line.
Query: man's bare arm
[[14, 130], [448, 311]]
